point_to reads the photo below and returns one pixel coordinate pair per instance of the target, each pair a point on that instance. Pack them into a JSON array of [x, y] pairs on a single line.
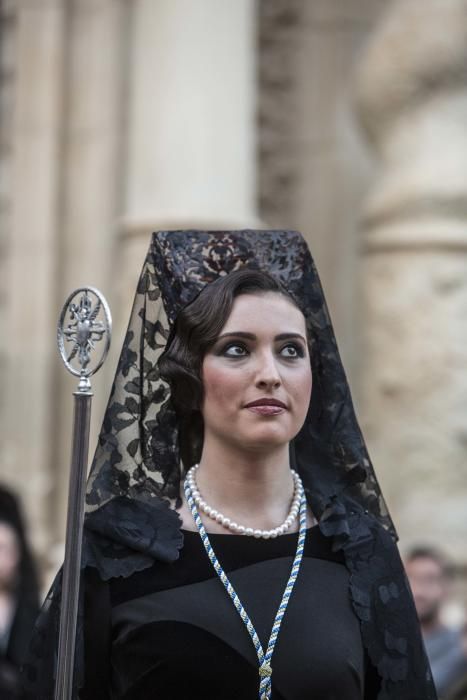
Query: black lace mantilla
[[382, 600], [136, 468], [138, 456]]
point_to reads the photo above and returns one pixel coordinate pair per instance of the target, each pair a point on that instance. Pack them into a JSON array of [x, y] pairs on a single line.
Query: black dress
[[175, 634]]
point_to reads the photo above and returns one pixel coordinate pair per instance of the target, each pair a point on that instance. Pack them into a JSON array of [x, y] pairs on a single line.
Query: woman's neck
[[253, 488]]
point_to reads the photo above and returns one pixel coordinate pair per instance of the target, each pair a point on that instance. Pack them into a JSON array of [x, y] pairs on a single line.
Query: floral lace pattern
[[382, 600], [136, 468], [137, 455]]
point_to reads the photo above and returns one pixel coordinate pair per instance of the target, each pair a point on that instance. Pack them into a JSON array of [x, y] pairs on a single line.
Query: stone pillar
[[412, 101], [191, 148], [31, 259], [91, 187]]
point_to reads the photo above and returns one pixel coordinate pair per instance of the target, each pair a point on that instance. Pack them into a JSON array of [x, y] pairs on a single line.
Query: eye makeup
[[238, 349]]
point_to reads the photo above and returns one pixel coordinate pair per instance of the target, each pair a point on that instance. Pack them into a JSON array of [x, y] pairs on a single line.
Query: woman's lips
[[266, 406], [265, 410]]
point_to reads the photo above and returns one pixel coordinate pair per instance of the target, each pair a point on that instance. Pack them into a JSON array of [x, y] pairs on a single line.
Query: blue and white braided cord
[[265, 670]]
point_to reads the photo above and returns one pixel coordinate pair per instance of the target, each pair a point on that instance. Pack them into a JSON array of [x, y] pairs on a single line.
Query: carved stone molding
[[279, 25], [412, 103]]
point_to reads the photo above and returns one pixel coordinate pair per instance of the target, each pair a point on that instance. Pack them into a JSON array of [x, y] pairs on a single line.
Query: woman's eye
[[292, 351], [235, 351]]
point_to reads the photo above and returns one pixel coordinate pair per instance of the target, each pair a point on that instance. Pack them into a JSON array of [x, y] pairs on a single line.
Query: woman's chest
[[190, 638]]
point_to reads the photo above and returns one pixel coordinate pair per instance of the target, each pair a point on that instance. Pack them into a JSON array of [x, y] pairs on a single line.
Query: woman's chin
[[263, 440]]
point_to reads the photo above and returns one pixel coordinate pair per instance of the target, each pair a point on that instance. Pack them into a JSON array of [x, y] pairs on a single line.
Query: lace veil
[[138, 456], [136, 469]]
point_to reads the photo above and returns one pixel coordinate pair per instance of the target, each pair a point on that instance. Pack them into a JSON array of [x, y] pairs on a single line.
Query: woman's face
[[257, 376]]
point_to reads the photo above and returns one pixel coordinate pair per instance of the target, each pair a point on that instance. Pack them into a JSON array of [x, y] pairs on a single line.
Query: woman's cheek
[[302, 390], [220, 385]]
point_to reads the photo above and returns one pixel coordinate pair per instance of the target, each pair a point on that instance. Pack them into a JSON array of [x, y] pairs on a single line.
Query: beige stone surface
[[7, 85], [341, 12], [191, 113], [420, 49], [31, 262], [414, 381], [190, 129], [412, 100], [91, 184]]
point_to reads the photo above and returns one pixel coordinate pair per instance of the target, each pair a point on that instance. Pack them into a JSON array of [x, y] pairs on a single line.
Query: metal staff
[[84, 322]]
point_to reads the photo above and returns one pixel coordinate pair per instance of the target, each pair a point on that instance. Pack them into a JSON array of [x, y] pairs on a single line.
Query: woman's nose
[[267, 375]]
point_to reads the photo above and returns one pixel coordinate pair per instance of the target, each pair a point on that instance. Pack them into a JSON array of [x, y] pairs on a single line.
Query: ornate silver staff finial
[[84, 322]]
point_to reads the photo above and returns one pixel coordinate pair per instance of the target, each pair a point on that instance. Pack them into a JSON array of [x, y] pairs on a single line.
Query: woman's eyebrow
[[286, 336], [252, 336], [238, 334]]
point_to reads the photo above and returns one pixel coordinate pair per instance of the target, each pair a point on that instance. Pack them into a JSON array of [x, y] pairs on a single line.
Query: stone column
[[412, 101], [91, 187], [31, 259], [191, 122]]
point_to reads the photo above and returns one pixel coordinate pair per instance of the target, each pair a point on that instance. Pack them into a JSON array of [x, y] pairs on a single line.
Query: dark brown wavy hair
[[195, 331]]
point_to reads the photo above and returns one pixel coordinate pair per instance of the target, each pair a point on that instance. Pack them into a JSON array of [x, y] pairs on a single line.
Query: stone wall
[[29, 272], [7, 85], [412, 99]]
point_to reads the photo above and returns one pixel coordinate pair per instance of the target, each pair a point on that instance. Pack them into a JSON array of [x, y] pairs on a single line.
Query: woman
[[219, 370]]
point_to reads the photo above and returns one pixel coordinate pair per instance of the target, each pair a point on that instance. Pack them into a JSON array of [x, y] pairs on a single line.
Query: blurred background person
[[430, 575], [19, 595]]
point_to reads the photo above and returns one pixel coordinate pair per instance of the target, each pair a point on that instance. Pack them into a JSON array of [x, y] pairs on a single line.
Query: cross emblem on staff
[[84, 329], [84, 322]]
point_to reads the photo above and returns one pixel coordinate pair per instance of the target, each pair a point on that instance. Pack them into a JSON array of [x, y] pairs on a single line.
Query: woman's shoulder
[[235, 552]]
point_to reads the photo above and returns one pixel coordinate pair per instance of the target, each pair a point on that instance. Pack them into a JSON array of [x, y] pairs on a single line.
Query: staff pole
[[85, 322]]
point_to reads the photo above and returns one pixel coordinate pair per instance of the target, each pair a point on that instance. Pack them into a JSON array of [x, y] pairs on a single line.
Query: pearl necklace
[[241, 529]]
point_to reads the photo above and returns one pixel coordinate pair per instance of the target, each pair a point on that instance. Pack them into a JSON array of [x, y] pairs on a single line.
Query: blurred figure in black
[[429, 574], [19, 595]]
